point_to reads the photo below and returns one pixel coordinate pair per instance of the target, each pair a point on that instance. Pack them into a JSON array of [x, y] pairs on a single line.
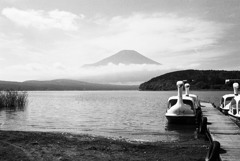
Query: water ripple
[[129, 114]]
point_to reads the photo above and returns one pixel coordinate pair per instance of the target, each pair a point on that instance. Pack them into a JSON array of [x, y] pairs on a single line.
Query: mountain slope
[[198, 79], [61, 84], [124, 57]]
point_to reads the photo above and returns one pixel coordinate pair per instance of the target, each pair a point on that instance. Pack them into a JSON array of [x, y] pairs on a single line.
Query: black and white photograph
[[119, 80]]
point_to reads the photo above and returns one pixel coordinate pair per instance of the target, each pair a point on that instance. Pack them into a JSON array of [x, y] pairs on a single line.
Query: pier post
[[213, 153]]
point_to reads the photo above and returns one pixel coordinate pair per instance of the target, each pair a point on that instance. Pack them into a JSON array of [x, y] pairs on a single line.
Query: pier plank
[[223, 130]]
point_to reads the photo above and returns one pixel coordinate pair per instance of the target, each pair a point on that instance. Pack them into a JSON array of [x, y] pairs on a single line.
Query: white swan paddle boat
[[226, 100], [195, 97], [234, 106], [181, 108]]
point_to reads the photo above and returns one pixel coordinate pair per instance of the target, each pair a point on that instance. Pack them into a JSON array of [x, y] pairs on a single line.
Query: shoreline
[[38, 146]]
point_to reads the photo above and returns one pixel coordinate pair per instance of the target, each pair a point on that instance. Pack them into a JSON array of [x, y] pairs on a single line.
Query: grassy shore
[[13, 99], [41, 146]]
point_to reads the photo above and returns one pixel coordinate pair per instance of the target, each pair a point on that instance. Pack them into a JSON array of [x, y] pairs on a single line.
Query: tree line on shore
[[198, 79], [60, 85]]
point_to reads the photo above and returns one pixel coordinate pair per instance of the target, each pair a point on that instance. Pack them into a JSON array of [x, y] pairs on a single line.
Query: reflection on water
[[130, 114], [14, 109], [12, 113]]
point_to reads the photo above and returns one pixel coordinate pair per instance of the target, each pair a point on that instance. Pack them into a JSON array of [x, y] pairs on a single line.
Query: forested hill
[[198, 79]]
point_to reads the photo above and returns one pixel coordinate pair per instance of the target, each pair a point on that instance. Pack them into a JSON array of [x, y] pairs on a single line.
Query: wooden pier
[[222, 129]]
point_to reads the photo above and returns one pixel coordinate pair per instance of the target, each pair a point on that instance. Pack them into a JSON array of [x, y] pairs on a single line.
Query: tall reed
[[9, 99]]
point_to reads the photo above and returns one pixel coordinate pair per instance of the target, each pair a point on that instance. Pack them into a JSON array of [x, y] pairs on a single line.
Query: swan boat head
[[195, 97], [235, 88]]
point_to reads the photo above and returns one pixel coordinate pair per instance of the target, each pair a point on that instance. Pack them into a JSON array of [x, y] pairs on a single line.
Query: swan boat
[[234, 105], [226, 100], [195, 97], [181, 108]]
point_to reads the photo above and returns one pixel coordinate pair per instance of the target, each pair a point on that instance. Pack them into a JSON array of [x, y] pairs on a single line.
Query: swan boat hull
[[234, 114], [224, 111], [181, 119], [237, 117], [182, 115], [225, 102], [234, 107]]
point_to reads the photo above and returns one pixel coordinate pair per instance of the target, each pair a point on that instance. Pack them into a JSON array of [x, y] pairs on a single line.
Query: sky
[[50, 39]]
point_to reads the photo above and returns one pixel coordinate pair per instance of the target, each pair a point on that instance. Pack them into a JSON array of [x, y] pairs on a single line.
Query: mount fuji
[[125, 67], [126, 57]]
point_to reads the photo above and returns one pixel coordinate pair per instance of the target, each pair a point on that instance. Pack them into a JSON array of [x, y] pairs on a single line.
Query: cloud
[[43, 20], [188, 66], [158, 36], [34, 70], [10, 43], [174, 41], [58, 68], [110, 73], [121, 73], [166, 33], [120, 68]]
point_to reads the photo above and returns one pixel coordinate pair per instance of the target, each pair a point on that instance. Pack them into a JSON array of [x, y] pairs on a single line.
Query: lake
[[134, 115]]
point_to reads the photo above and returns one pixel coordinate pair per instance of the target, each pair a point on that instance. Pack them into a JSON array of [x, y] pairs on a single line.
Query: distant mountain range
[[198, 79], [126, 57], [61, 84]]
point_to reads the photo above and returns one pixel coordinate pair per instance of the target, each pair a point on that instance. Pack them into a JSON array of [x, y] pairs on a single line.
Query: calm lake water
[[134, 115]]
